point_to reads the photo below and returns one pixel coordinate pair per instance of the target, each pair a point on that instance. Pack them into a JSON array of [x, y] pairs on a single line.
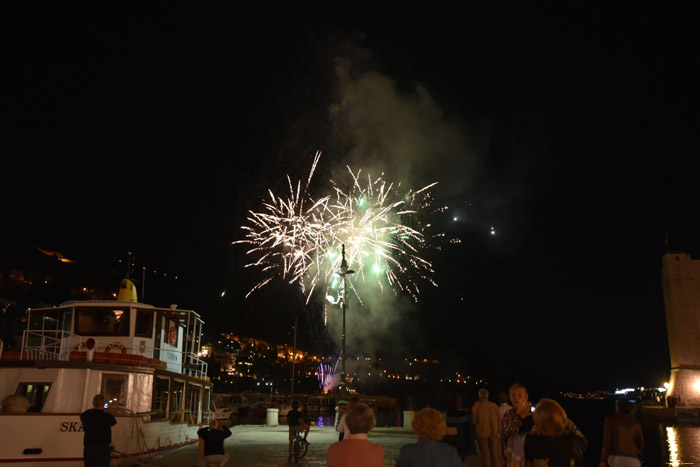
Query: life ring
[[109, 348]]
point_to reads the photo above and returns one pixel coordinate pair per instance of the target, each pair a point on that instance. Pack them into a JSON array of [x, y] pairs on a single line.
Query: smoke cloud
[[405, 135]]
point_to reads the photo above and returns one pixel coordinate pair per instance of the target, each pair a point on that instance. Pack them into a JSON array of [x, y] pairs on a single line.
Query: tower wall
[[681, 288]]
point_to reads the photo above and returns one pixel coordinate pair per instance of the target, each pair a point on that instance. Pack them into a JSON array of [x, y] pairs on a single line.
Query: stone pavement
[[261, 445]]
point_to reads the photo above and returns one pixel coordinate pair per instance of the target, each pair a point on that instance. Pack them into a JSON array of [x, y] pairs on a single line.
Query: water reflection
[[323, 420], [682, 444], [672, 446]]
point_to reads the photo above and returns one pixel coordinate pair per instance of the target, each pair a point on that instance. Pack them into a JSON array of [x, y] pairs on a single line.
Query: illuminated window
[[36, 393], [102, 321]]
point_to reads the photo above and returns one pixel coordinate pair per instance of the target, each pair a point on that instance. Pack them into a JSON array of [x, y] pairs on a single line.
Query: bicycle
[[300, 446]]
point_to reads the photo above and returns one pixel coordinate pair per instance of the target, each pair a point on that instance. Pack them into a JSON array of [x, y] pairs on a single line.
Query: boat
[[320, 403], [233, 404], [284, 403], [143, 359], [687, 415]]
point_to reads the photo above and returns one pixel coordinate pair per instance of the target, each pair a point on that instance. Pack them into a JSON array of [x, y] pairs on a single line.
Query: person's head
[[483, 394], [360, 419], [502, 397], [624, 406], [98, 401], [15, 403], [549, 418], [429, 424], [295, 405], [518, 395], [214, 424]]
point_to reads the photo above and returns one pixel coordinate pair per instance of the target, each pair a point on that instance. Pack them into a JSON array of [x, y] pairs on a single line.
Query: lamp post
[[344, 272]]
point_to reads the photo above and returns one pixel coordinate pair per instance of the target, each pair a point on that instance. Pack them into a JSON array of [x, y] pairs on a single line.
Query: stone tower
[[681, 287]]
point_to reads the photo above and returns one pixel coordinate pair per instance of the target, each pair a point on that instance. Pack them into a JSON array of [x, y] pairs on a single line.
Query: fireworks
[[299, 237], [325, 377]]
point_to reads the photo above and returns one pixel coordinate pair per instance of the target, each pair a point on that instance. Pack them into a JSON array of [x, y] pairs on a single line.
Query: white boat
[[143, 359], [283, 402], [235, 404]]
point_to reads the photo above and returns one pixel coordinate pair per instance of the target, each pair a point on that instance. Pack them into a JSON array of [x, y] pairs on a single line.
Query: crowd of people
[[512, 433]]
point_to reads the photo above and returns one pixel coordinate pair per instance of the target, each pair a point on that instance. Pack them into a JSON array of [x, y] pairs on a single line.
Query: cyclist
[[296, 424]]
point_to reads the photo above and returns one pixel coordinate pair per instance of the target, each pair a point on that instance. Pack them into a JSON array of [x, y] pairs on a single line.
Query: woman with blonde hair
[[550, 442], [429, 451]]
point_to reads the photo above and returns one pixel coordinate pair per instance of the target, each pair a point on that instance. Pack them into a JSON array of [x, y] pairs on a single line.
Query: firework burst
[[299, 237]]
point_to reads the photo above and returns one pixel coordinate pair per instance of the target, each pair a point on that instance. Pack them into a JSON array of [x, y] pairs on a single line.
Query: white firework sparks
[[299, 237]]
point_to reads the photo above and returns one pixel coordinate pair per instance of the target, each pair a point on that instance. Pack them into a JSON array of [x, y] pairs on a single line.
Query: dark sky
[[573, 133]]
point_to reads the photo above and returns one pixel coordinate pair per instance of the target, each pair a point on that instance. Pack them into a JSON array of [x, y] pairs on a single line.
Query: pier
[[262, 445]]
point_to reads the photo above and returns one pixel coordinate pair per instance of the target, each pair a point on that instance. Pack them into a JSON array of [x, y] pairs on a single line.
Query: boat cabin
[[143, 359]]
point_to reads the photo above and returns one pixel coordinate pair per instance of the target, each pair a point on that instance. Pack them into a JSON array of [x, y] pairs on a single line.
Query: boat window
[[176, 407], [144, 323], [192, 408], [206, 401], [161, 391], [102, 320], [114, 389], [36, 394]]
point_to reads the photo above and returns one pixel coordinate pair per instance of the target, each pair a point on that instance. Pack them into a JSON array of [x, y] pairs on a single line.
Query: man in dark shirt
[[296, 423], [97, 424], [213, 438]]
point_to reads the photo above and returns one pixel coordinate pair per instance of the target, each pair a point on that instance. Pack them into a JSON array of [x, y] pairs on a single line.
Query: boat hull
[[42, 439]]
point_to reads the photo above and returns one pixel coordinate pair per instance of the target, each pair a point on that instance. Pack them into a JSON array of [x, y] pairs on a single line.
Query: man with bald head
[[97, 423]]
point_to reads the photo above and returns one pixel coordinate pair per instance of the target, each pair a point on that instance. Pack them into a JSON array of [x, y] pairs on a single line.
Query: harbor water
[[666, 443]]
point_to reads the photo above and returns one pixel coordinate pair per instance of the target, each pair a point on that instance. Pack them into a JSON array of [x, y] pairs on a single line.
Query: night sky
[[154, 128]]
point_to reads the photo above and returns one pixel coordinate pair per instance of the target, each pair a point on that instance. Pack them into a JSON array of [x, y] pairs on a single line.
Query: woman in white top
[[342, 427]]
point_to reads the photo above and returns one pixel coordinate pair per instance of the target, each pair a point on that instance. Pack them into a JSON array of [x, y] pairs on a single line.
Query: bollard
[[272, 417], [408, 418]]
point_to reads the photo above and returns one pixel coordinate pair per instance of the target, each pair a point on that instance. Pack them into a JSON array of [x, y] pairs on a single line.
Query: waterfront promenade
[[261, 445]]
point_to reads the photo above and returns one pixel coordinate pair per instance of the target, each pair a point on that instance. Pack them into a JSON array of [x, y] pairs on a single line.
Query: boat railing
[[56, 345], [194, 366], [45, 345]]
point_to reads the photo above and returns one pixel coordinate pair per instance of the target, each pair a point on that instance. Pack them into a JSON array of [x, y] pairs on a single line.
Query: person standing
[[550, 443], [213, 438], [97, 424], [622, 438], [460, 429], [430, 451], [518, 422], [514, 425], [342, 426], [357, 450], [486, 422], [503, 405]]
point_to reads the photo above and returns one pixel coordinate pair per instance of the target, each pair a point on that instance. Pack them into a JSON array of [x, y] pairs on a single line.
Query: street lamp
[[344, 272]]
